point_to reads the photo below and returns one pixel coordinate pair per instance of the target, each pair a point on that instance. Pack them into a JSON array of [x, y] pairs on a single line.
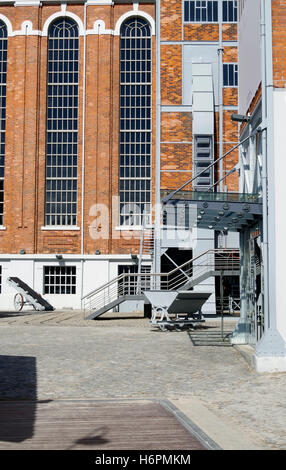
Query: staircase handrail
[[152, 275]]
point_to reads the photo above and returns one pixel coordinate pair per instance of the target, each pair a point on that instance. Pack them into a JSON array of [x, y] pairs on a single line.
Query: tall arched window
[[62, 123], [135, 121], [3, 82]]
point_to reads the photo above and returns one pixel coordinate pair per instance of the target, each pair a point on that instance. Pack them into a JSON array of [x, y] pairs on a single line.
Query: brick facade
[[278, 43], [176, 125], [171, 74], [25, 160]]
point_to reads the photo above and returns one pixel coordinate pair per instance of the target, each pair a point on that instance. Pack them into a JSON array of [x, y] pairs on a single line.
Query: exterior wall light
[[59, 256], [240, 118], [22, 252], [135, 259]]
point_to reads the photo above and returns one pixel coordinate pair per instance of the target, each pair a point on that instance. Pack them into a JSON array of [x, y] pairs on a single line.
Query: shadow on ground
[[18, 381]]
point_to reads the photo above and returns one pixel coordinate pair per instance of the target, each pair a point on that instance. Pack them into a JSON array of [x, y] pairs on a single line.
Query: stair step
[[210, 338]]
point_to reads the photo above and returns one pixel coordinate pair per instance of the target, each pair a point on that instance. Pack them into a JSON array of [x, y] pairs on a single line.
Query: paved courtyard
[[61, 356]]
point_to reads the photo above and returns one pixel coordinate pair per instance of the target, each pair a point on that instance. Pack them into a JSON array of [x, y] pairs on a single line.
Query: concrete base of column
[[241, 332], [270, 353], [270, 364]]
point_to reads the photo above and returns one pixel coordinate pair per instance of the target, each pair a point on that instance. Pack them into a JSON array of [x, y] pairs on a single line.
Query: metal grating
[[203, 157]]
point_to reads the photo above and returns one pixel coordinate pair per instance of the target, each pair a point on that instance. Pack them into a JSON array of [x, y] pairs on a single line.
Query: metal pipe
[[223, 178], [157, 225], [266, 69], [220, 95], [83, 131]]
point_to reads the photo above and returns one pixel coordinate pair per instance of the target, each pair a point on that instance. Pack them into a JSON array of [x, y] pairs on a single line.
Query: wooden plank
[[90, 425]]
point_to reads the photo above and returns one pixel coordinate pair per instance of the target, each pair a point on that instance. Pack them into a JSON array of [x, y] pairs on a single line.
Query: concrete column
[[270, 352], [242, 329]]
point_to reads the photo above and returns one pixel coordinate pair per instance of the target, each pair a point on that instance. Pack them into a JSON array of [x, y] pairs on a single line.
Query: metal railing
[[231, 305], [182, 277]]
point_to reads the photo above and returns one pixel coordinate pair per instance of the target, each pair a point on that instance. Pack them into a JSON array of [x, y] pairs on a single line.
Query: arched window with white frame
[[62, 123], [135, 121]]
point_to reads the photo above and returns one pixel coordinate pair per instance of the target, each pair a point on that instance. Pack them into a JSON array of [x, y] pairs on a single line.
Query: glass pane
[[62, 123]]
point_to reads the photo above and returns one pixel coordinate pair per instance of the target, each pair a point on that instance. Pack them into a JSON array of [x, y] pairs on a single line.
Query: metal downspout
[[157, 225], [83, 147], [220, 98], [266, 64]]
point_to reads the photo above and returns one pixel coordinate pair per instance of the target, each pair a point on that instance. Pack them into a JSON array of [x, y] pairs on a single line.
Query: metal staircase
[[131, 286], [146, 243]]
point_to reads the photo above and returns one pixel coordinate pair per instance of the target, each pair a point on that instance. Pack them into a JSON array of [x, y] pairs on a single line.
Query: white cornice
[[27, 3], [99, 2], [32, 3], [98, 26]]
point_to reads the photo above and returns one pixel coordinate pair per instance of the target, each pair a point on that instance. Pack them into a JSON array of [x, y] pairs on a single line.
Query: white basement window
[[59, 279]]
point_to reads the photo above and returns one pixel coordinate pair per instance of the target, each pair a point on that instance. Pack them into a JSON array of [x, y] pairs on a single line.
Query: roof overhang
[[233, 212]]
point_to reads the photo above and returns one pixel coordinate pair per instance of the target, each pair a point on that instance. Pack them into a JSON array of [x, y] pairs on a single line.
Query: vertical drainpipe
[[157, 228], [83, 147], [220, 96], [267, 140]]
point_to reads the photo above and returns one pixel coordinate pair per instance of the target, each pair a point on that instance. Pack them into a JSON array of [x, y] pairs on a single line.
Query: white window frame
[[235, 74], [67, 281], [135, 147], [232, 6], [201, 8], [62, 126]]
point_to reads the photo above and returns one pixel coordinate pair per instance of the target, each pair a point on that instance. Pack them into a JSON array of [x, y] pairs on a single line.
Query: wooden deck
[[92, 425]]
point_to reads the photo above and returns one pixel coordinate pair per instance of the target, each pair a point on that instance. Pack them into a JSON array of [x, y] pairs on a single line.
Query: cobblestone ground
[[75, 358]]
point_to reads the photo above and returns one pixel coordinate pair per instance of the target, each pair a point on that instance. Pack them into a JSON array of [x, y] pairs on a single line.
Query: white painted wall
[[204, 242], [279, 188], [90, 273], [249, 47]]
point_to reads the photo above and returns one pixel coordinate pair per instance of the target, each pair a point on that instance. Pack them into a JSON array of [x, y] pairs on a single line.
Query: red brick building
[[78, 148]]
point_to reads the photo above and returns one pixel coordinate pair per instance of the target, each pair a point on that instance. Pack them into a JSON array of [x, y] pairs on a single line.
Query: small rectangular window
[[59, 280], [229, 11], [200, 11], [203, 157], [230, 75]]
